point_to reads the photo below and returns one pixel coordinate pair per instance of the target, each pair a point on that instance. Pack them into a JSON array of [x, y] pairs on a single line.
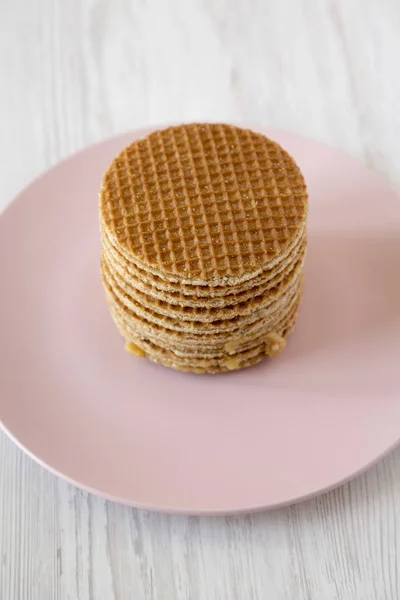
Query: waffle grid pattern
[[176, 297], [204, 201], [207, 311], [203, 231]]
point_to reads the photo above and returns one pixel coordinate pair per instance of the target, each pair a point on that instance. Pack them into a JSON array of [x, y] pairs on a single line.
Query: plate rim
[[209, 512]]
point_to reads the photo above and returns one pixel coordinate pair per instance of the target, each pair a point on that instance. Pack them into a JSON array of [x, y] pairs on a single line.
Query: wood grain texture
[[74, 72]]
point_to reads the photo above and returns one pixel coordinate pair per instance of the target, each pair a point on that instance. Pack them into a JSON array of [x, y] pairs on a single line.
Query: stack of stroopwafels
[[203, 231]]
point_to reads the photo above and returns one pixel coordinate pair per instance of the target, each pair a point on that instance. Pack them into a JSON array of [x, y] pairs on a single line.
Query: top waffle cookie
[[203, 204]]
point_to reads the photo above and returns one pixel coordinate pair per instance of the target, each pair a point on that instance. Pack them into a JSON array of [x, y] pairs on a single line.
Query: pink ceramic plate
[[144, 435]]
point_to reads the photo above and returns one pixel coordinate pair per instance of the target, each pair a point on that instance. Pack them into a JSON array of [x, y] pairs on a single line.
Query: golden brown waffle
[[210, 313], [196, 326], [203, 231], [203, 346], [245, 358], [137, 325], [203, 204], [208, 296], [206, 291]]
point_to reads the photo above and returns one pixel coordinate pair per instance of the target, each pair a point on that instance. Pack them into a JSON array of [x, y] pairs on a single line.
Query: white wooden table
[[73, 72]]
